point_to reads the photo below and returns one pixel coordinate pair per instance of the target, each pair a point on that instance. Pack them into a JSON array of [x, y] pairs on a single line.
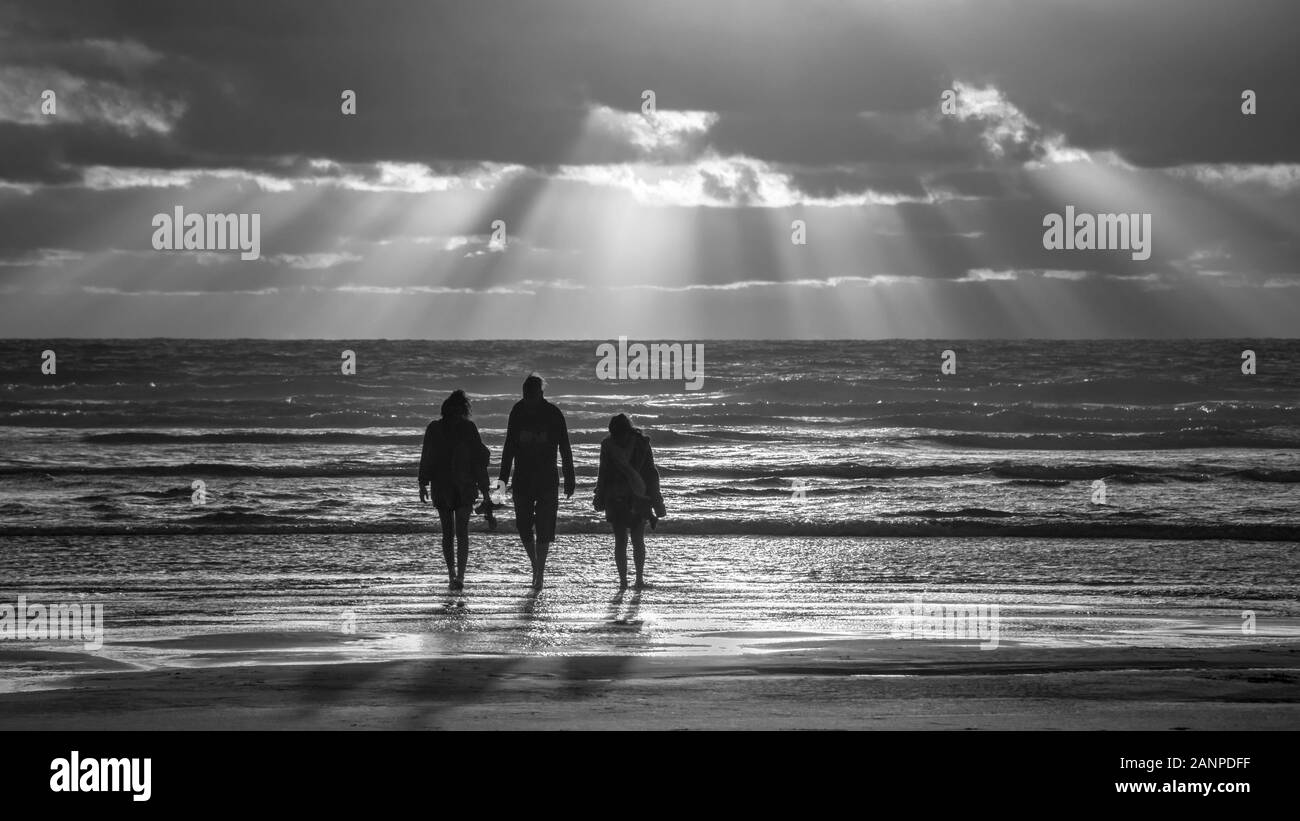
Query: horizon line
[[653, 339]]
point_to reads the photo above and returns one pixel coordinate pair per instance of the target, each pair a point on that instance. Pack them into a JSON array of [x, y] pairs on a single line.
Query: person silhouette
[[453, 470], [535, 433], [627, 489]]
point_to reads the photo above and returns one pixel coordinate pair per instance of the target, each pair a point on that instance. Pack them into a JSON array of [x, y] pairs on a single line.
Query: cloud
[[1280, 178], [83, 100], [44, 258], [988, 275], [416, 290], [526, 112], [659, 135], [840, 182], [103, 291], [1006, 132], [126, 56], [105, 178], [290, 173], [749, 284], [1011, 275], [714, 181], [313, 262], [418, 178]]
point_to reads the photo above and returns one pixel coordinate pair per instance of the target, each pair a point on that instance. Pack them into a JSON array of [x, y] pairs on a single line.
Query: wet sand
[[783, 683]]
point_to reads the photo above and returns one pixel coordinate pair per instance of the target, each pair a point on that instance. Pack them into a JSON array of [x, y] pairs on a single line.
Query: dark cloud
[[828, 99], [975, 183], [511, 81], [832, 182], [1159, 82]]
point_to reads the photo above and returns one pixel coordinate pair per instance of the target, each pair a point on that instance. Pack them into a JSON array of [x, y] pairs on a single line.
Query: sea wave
[[711, 471], [411, 439], [276, 437], [996, 409], [972, 527], [1187, 438]]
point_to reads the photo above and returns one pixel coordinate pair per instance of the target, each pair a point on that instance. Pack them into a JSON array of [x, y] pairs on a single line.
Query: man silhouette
[[535, 432]]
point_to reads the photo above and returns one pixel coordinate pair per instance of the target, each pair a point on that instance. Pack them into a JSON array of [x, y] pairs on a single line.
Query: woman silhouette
[[454, 466], [627, 489]]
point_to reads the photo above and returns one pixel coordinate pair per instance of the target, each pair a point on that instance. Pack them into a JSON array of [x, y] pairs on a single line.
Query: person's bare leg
[[620, 555], [530, 550], [447, 519], [524, 517], [539, 569], [462, 544], [638, 551], [544, 519]]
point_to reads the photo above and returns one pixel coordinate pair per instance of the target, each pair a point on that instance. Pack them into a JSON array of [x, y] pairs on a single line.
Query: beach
[[796, 682], [944, 354], [1070, 537], [732, 634]]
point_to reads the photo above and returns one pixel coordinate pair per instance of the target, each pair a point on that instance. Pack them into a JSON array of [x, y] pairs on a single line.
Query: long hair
[[620, 425], [456, 406]]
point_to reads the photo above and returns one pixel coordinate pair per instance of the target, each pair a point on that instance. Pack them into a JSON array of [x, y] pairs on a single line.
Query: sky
[[920, 143]]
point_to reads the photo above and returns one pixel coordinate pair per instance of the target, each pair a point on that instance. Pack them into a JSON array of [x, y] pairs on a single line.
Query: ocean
[[810, 485]]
